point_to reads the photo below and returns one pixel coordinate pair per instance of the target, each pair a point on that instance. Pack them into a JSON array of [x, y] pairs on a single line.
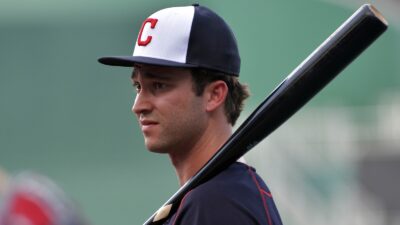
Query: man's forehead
[[161, 72]]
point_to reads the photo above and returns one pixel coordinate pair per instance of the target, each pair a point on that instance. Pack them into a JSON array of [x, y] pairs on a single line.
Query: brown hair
[[236, 95]]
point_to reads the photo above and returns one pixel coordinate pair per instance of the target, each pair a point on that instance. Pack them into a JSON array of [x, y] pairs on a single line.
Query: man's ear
[[215, 94]]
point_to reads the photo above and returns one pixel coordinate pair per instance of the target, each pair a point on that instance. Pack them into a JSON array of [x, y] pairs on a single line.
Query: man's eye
[[137, 87]]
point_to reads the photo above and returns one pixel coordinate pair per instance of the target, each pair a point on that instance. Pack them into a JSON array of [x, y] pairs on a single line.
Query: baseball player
[[186, 66]]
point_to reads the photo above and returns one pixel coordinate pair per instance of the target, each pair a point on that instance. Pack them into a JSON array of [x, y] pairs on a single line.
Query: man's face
[[172, 118]]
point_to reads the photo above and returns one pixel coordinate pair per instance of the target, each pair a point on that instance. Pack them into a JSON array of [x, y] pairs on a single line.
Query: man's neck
[[193, 159]]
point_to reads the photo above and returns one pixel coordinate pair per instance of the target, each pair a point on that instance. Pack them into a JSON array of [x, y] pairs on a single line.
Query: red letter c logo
[[148, 39]]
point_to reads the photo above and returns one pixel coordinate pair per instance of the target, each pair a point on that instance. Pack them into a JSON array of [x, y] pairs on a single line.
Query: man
[[186, 63]]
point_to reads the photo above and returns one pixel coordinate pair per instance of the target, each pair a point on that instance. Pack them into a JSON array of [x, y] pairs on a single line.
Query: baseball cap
[[187, 36]]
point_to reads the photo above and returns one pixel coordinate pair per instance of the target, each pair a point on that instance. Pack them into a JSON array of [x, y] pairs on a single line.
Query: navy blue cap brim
[[130, 61]]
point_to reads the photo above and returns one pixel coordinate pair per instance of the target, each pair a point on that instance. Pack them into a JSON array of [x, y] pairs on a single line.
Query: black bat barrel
[[314, 73]]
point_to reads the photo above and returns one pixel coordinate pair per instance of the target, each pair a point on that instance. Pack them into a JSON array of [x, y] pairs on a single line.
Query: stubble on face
[[179, 114], [179, 130]]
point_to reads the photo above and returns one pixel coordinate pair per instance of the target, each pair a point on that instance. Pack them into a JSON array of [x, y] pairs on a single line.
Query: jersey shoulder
[[239, 181], [235, 196]]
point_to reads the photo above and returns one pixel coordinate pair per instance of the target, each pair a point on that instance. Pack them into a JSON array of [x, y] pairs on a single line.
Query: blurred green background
[[66, 116]]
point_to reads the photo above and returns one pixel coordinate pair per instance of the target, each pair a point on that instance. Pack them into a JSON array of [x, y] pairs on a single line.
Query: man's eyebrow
[[154, 75], [133, 74]]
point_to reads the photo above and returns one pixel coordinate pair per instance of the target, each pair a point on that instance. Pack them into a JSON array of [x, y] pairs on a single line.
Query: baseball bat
[[306, 80]]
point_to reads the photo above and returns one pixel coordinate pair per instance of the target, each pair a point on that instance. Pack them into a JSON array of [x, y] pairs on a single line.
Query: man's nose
[[142, 104]]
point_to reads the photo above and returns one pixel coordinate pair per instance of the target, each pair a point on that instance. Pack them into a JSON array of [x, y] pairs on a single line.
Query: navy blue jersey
[[235, 196]]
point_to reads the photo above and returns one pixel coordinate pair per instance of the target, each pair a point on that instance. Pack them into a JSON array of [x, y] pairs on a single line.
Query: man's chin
[[152, 147], [157, 151]]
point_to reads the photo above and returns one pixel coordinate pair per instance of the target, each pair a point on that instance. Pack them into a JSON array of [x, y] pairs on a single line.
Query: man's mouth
[[147, 124]]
